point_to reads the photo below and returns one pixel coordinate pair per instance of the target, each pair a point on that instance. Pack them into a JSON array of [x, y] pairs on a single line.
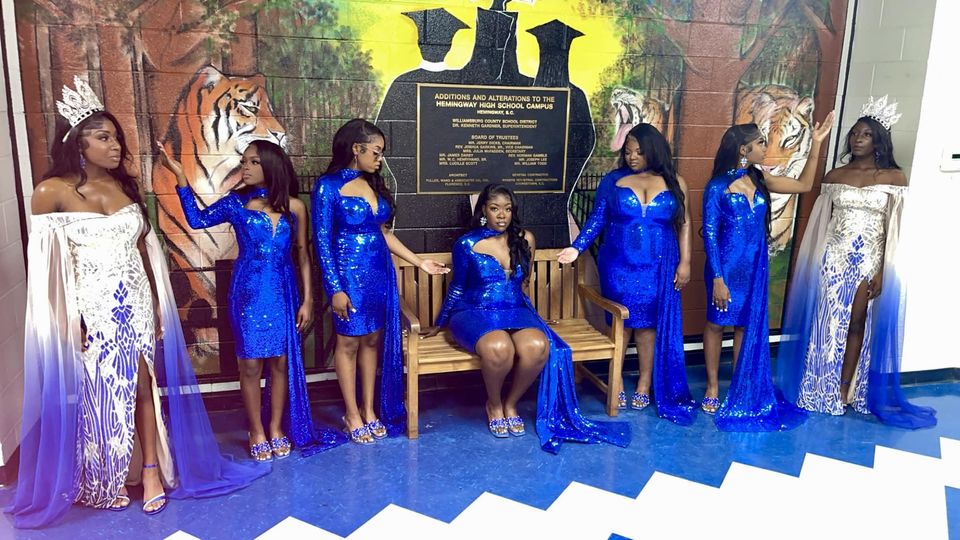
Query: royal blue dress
[[735, 238], [354, 259], [637, 262], [483, 298], [264, 300]]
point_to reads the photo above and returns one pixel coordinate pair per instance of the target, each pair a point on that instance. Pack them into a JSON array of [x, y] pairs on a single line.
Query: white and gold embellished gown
[[115, 302], [852, 236], [78, 441], [853, 254]]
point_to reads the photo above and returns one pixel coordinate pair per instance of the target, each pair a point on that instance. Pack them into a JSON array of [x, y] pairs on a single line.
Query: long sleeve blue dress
[[354, 259], [483, 298], [637, 262], [264, 299], [735, 239]]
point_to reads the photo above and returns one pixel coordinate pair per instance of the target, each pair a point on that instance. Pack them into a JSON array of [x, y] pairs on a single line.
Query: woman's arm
[[803, 184], [461, 267], [591, 228], [305, 313], [532, 242], [397, 248], [682, 276]]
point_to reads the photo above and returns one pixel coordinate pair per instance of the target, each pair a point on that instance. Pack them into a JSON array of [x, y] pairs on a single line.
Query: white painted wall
[[13, 285], [929, 242]]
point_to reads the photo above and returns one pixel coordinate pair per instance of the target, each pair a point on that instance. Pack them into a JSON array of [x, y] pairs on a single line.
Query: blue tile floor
[[455, 460]]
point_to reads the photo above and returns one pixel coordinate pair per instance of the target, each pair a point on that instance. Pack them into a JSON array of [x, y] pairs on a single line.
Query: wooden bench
[[557, 292]]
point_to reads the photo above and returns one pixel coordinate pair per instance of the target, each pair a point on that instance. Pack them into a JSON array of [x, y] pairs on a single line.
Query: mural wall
[[207, 77]]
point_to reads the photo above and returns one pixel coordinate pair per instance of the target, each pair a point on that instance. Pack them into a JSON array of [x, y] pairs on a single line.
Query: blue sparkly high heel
[[261, 451], [498, 428], [710, 405], [515, 426], [622, 400], [361, 435], [377, 429], [280, 447], [639, 401]]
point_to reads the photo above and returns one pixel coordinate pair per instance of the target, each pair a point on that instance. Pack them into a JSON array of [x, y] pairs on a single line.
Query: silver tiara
[[79, 104], [880, 111]]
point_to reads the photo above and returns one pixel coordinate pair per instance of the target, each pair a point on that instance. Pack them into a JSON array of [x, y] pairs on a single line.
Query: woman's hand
[[342, 306], [721, 294], [567, 255], [305, 316], [171, 164], [682, 276], [432, 332], [820, 131], [433, 267], [875, 286]]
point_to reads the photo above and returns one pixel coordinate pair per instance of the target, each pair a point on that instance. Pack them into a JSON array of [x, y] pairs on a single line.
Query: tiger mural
[[630, 108], [216, 117], [785, 119]]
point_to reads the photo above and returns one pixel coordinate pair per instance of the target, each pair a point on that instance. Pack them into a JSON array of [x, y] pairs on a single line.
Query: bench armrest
[[591, 294], [409, 319]]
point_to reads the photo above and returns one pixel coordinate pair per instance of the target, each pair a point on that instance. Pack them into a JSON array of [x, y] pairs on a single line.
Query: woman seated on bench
[[489, 314]]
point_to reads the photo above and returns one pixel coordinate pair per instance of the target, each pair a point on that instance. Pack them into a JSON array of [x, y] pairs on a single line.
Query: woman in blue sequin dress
[[267, 310], [736, 224], [490, 315], [644, 261], [352, 209]]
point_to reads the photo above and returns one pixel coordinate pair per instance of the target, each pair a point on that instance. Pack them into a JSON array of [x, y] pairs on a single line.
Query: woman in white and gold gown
[[842, 333], [98, 296]]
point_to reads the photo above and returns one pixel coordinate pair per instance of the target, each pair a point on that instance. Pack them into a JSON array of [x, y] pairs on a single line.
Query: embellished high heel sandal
[[710, 405], [639, 401], [377, 429], [261, 451], [120, 498], [361, 435], [622, 400], [280, 447], [515, 426], [498, 428], [161, 498]]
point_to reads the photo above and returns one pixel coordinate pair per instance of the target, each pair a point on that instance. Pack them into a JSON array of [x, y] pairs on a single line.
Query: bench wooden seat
[[557, 292]]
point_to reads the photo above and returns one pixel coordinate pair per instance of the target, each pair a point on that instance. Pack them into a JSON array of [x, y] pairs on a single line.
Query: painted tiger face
[[784, 119], [630, 108]]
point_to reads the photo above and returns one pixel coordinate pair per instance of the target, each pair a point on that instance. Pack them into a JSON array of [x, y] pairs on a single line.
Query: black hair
[[882, 143], [278, 174], [656, 152], [728, 158], [516, 241], [358, 131], [67, 153]]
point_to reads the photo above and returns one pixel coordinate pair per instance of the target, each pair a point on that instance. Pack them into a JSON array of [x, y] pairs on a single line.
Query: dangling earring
[[876, 155], [83, 162], [743, 162], [354, 164], [483, 221]]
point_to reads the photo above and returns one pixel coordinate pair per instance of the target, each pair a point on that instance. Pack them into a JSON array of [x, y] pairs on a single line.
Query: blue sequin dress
[[264, 299], [637, 262], [354, 259], [483, 298], [735, 238]]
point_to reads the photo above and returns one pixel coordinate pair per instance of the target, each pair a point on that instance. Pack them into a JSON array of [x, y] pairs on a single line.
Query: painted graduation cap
[[435, 30], [555, 35]]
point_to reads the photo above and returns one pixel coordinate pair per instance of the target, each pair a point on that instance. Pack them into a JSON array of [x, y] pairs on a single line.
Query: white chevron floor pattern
[[901, 496]]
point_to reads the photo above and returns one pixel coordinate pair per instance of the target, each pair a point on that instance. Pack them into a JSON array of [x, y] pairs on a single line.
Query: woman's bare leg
[[369, 358], [712, 343], [645, 338], [855, 333], [345, 363], [146, 427], [496, 353], [532, 349], [278, 394]]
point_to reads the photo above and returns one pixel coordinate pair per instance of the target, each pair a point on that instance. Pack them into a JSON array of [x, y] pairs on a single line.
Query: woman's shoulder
[[49, 193]]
